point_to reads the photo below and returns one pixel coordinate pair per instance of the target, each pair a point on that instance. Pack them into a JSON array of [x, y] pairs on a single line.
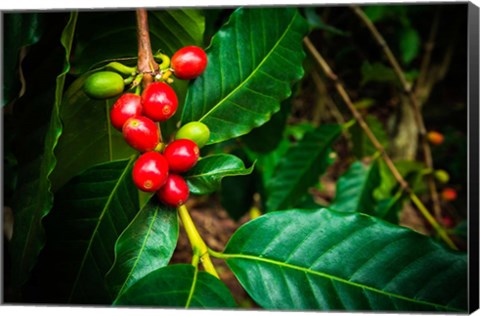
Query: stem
[[199, 247], [146, 62], [398, 177], [427, 153]]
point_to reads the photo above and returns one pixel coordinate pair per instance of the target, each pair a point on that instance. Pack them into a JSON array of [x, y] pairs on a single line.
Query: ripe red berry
[[127, 106], [175, 192], [182, 155], [141, 133], [435, 138], [160, 101], [189, 62], [449, 194], [150, 171]]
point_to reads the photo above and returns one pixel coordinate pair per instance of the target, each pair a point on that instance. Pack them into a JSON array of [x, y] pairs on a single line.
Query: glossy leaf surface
[[354, 192], [145, 245], [340, 261], [207, 174], [89, 215], [301, 167], [253, 60], [88, 137], [178, 285]]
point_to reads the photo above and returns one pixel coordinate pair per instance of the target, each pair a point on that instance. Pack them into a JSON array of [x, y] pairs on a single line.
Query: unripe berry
[[141, 133], [174, 192], [195, 131], [103, 85], [189, 62], [182, 155], [150, 171], [159, 101], [127, 106], [435, 138], [442, 176], [449, 194]]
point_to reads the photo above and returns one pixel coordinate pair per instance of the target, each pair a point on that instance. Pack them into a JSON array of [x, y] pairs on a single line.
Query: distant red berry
[[448, 221], [182, 155], [150, 171], [189, 62], [175, 192], [449, 194], [159, 101], [435, 138], [141, 133], [127, 106]]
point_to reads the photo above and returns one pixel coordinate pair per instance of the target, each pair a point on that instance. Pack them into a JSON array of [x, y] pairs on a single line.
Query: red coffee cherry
[[182, 155], [175, 192], [150, 171], [449, 194], [141, 133], [189, 62], [127, 106], [160, 101], [435, 138]]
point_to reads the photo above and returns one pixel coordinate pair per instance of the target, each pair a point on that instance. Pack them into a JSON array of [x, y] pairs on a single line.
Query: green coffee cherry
[[195, 131], [442, 176], [103, 85]]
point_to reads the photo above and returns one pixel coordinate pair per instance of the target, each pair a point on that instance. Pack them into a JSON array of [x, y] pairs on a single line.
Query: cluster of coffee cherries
[[159, 168]]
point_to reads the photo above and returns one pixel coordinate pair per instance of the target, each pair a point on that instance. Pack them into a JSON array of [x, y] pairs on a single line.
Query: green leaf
[[206, 175], [88, 137], [267, 137], [316, 22], [380, 73], [326, 260], [147, 244], [362, 146], [266, 163], [22, 29], [253, 61], [301, 167], [35, 144], [409, 44], [377, 72], [178, 285], [90, 213], [355, 189]]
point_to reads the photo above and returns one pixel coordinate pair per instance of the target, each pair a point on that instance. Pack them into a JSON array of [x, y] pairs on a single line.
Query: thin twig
[[429, 46], [388, 161], [427, 153]]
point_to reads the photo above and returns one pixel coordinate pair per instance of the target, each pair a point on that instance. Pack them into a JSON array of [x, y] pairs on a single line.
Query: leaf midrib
[[254, 71], [140, 251], [102, 213], [227, 256]]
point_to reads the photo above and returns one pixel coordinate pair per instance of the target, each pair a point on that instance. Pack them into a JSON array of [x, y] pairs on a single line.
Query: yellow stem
[[199, 247]]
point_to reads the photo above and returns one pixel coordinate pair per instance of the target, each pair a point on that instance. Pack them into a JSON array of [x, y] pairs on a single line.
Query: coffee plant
[[307, 133]]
